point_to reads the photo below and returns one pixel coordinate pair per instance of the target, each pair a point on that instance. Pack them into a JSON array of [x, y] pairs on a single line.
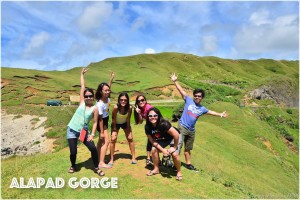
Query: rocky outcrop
[[282, 93], [23, 135]]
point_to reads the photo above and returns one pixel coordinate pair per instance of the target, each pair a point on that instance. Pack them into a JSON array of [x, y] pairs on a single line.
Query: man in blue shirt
[[192, 111]]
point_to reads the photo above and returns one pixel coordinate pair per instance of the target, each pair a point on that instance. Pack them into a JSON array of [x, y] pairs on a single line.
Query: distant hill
[[149, 73]]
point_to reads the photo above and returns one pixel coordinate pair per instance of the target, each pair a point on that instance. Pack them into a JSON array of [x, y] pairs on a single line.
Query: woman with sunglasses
[[103, 104], [80, 120], [140, 113], [161, 134], [121, 119]]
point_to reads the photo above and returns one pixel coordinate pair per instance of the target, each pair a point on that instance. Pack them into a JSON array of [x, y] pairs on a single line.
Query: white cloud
[[36, 45], [149, 51], [260, 18], [94, 16], [209, 44], [279, 34]]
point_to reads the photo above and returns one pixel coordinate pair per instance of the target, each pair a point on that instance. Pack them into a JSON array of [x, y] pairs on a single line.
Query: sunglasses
[[142, 100], [198, 96], [123, 100], [88, 96], [155, 115]]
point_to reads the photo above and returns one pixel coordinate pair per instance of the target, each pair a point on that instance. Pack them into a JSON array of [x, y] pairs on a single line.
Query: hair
[[88, 90], [159, 117], [136, 115], [199, 91], [163, 125], [127, 106], [99, 93]]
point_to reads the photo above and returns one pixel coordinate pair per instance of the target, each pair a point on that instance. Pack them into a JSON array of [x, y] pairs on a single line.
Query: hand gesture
[[137, 109], [84, 70], [112, 75], [173, 77], [224, 114]]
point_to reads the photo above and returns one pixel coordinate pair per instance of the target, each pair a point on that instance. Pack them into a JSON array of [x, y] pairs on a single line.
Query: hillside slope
[[232, 155], [146, 72]]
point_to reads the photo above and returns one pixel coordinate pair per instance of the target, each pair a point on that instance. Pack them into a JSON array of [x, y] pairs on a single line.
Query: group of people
[[159, 131]]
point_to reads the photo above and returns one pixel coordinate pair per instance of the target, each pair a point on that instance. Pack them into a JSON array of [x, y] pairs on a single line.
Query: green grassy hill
[[144, 73], [244, 156]]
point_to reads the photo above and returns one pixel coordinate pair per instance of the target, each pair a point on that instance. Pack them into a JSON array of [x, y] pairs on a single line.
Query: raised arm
[[223, 114], [179, 88], [83, 71], [111, 79]]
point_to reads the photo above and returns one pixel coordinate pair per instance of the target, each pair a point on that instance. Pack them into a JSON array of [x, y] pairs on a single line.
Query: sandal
[[178, 178], [99, 172], [72, 170], [151, 173], [148, 162]]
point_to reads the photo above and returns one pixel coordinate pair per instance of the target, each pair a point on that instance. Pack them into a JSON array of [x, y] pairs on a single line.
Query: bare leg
[[187, 155], [114, 137], [129, 138]]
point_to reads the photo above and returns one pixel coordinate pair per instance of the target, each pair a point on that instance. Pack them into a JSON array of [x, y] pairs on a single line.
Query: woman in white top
[[121, 119], [103, 104]]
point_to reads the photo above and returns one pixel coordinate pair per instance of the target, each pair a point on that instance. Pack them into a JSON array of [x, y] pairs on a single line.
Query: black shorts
[[118, 126], [105, 123]]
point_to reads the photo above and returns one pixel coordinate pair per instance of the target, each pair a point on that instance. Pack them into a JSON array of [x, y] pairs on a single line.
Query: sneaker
[[148, 162], [191, 167]]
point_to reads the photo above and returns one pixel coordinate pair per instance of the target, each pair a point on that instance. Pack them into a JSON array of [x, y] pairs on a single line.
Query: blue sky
[[59, 35]]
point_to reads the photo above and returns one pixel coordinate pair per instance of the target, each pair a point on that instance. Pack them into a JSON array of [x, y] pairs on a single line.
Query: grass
[[244, 156], [225, 150]]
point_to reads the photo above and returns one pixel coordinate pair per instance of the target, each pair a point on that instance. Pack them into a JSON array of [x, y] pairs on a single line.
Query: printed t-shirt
[[103, 108], [191, 113]]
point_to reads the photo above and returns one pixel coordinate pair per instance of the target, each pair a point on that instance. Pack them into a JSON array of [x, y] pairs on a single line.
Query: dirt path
[[23, 135]]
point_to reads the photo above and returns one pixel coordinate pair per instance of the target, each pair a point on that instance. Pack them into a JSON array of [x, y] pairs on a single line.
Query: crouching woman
[[161, 134]]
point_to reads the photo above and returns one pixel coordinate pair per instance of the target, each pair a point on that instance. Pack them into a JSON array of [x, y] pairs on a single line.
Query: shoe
[[148, 162], [133, 162], [110, 164], [72, 170], [191, 167]]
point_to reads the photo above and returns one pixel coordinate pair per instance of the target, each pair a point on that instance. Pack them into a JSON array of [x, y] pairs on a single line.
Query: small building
[[74, 100]]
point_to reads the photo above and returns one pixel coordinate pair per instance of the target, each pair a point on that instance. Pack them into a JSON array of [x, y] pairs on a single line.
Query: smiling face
[[105, 91], [198, 98], [153, 117], [141, 101], [88, 98], [123, 100]]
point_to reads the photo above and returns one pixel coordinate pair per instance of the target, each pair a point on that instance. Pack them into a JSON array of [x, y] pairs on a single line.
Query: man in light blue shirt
[[192, 111]]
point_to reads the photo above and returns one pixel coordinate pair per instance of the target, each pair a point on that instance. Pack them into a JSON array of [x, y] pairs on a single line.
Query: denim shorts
[[72, 134]]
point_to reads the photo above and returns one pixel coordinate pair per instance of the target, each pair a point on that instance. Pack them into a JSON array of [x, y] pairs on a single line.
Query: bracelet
[[221, 115]]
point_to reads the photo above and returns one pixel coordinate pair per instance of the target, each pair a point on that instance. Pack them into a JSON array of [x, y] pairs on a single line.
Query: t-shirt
[[82, 115], [191, 113], [103, 108], [145, 110], [155, 134]]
